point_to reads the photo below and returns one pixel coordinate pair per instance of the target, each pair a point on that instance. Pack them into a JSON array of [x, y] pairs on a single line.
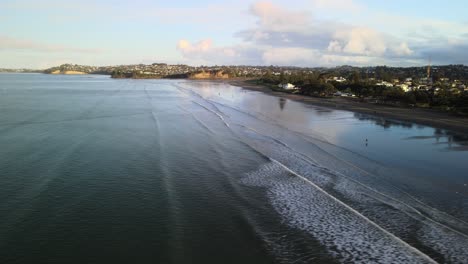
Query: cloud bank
[[284, 36]]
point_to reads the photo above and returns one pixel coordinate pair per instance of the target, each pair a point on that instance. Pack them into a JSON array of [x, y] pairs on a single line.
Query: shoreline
[[419, 116]]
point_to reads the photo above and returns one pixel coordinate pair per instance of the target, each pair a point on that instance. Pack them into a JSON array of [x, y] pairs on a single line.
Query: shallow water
[[172, 171]]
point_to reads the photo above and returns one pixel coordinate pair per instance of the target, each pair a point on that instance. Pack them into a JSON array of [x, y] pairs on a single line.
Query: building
[[404, 87], [339, 79], [287, 86], [384, 83]]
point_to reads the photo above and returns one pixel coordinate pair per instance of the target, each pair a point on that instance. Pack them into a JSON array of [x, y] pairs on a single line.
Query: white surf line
[[307, 158], [270, 137], [268, 119], [429, 259], [434, 209], [192, 92], [352, 165], [197, 120], [421, 221], [387, 196], [202, 124], [370, 188], [214, 112]]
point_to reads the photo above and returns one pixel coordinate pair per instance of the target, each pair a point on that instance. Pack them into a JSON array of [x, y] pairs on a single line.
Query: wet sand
[[414, 115]]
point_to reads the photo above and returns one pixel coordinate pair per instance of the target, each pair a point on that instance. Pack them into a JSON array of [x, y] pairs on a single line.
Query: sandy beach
[[420, 116]]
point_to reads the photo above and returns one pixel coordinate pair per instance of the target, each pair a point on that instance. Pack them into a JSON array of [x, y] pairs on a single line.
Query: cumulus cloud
[[281, 27], [334, 46], [290, 56], [188, 48], [361, 41], [9, 43], [205, 52], [402, 50], [280, 19], [204, 49], [284, 36], [344, 5]]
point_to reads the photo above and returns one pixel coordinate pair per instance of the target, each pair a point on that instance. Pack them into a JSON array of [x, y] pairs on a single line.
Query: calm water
[[96, 170]]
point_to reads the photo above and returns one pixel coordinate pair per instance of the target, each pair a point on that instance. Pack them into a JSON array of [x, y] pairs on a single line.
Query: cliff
[[209, 75], [68, 72]]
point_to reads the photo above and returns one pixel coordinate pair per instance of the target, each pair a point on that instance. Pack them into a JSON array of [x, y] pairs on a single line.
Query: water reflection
[[385, 123], [454, 141]]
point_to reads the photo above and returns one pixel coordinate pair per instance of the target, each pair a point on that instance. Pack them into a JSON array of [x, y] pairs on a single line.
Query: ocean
[[99, 170]]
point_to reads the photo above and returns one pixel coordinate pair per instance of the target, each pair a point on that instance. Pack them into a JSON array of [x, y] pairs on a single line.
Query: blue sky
[[40, 34]]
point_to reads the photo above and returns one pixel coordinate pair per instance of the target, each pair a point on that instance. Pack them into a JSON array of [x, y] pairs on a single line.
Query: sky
[[41, 34]]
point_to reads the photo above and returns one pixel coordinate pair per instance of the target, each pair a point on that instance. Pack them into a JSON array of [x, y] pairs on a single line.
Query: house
[[339, 79], [287, 86], [404, 87], [426, 81], [384, 83]]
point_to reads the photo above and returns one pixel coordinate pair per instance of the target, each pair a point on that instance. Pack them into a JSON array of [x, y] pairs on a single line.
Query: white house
[[287, 86], [404, 87], [339, 79], [384, 83]]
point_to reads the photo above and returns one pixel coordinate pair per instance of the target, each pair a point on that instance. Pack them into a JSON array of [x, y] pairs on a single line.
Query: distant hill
[[163, 70]]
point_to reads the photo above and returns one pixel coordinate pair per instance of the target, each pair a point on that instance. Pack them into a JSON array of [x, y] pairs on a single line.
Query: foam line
[[269, 119], [396, 200], [426, 257], [272, 138], [214, 112]]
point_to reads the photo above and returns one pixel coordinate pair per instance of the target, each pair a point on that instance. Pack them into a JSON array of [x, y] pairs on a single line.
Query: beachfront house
[[287, 86], [384, 83], [339, 79], [404, 87]]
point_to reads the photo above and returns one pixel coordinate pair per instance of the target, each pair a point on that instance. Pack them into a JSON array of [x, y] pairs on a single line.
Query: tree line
[[319, 85]]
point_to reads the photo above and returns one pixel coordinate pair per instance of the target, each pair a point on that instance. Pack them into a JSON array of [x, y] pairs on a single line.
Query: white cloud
[[204, 48], [286, 30], [290, 56], [335, 46], [205, 52], [362, 41], [402, 50], [276, 18], [188, 48], [343, 5], [285, 36]]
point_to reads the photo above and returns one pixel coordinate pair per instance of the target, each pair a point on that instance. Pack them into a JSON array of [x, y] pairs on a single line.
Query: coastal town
[[408, 79], [443, 87]]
